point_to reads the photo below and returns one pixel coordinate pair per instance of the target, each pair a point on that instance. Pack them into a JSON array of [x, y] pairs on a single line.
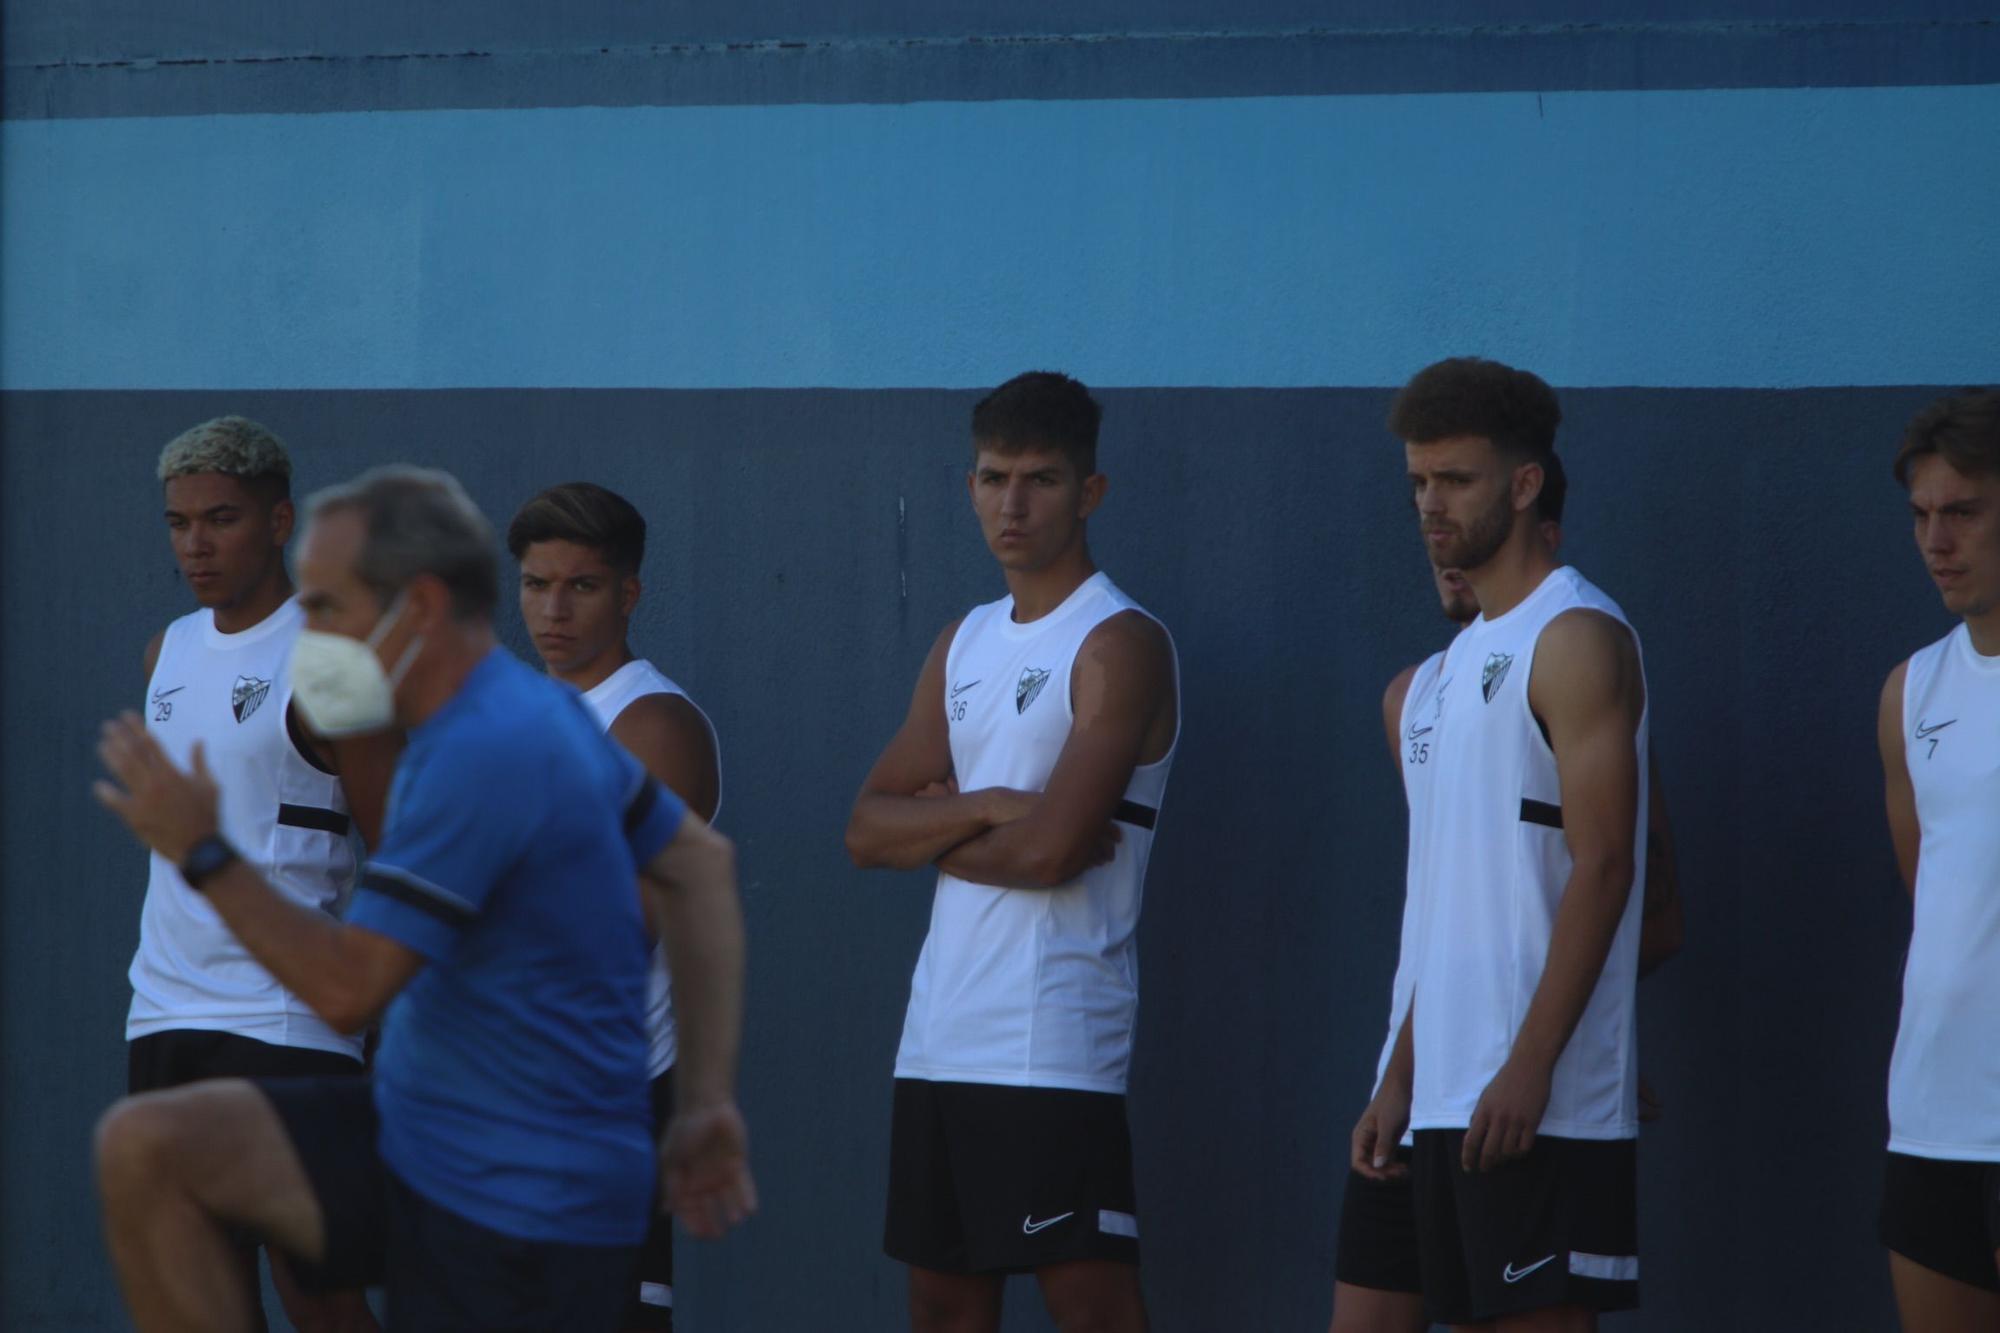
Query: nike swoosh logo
[[1513, 1274], [956, 691], [1419, 731], [1029, 1226], [161, 694], [1924, 733]]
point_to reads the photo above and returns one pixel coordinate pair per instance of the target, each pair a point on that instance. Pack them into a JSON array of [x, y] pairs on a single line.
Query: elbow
[[1053, 868], [345, 1011], [859, 851]]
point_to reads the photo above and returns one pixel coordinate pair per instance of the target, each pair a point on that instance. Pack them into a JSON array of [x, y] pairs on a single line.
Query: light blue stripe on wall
[[1762, 238]]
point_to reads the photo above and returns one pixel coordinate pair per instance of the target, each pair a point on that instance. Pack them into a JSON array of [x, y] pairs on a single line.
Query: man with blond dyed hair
[[220, 680]]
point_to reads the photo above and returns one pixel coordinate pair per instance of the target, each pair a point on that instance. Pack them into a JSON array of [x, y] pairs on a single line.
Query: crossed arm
[[909, 812]]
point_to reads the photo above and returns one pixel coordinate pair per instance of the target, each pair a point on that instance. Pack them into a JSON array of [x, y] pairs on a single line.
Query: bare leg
[[1372, 1310], [1930, 1302], [1093, 1296], [175, 1169], [954, 1302]]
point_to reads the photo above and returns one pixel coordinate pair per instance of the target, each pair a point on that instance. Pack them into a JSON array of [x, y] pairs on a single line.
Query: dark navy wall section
[[807, 547], [420, 57]]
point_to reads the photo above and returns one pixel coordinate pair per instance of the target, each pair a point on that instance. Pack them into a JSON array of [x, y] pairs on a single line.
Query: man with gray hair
[[496, 1171], [202, 1005]]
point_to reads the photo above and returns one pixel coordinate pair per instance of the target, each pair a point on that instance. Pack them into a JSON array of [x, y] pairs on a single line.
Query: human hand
[[1372, 1149], [1507, 1117], [705, 1169], [1651, 1108], [168, 810]]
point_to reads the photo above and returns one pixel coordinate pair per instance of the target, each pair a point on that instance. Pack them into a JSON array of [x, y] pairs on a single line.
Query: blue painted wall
[[1746, 245]]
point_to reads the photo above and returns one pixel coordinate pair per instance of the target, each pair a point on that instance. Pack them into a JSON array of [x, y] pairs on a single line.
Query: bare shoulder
[[1892, 692], [656, 720], [1397, 690], [1130, 644], [1586, 633]]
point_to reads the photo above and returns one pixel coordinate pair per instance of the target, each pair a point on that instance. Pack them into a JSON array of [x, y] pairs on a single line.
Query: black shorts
[[1557, 1227], [442, 1273], [652, 1303], [1378, 1234], [1945, 1216], [188, 1055], [989, 1179]]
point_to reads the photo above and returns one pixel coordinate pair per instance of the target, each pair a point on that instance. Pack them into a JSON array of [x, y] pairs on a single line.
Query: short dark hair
[[1555, 489], [1964, 428], [1041, 409], [587, 514], [418, 521], [1469, 395]]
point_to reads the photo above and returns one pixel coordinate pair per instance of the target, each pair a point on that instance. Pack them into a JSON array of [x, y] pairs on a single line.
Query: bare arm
[[1392, 712], [894, 828], [346, 973], [367, 767], [1588, 690], [704, 1157], [1661, 930], [153, 652], [1122, 696], [1898, 795], [667, 734]]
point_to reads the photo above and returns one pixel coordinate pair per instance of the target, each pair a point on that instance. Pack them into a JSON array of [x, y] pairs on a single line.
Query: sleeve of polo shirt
[[459, 823], [652, 814]]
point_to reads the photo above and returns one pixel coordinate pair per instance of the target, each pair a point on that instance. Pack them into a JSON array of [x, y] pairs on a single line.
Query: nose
[[1429, 500], [1933, 535], [195, 540], [1014, 500], [557, 604]]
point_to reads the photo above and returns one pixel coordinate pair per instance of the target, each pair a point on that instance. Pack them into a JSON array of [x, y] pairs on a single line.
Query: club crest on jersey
[[247, 693], [1029, 687], [1495, 672]]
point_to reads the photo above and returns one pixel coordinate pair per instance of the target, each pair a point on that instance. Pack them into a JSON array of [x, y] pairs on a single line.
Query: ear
[[629, 589], [1094, 487], [283, 517], [428, 604], [972, 484], [1527, 486]]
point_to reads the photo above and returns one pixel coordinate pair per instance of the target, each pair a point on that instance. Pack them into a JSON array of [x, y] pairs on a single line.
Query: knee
[[134, 1144]]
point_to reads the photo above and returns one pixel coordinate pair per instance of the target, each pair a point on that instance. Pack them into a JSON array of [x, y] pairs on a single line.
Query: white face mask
[[339, 683]]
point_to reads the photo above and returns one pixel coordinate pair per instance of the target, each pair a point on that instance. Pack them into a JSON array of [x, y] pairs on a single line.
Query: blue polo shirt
[[511, 1079]]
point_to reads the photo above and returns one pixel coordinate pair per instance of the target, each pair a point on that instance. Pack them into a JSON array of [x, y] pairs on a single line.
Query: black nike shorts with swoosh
[[1377, 1246], [992, 1179], [1558, 1227]]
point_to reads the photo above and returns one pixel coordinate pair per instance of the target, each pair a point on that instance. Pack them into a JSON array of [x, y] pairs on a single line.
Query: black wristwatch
[[208, 857]]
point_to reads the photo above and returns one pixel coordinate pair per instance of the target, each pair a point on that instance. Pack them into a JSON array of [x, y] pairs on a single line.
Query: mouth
[[202, 578], [1012, 536], [1944, 576]]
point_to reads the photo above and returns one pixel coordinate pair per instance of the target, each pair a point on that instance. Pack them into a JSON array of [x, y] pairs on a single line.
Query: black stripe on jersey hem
[[1138, 816], [642, 805], [452, 914], [1541, 812], [302, 742], [313, 816]]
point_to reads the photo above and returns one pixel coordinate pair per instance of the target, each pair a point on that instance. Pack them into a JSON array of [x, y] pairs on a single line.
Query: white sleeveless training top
[[1944, 1080], [1417, 727], [1031, 987], [1488, 867], [286, 817], [607, 699]]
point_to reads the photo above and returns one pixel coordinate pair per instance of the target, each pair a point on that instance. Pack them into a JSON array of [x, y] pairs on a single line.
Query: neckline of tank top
[[638, 666], [1975, 659], [1016, 629], [1549, 580], [285, 616]]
